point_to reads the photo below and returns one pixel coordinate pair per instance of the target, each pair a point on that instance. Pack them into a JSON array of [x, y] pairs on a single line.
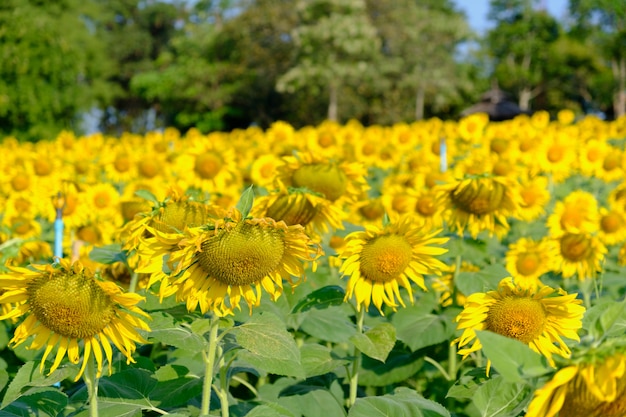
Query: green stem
[[356, 362], [91, 381], [222, 392], [452, 359], [209, 365], [134, 277], [438, 366], [586, 288]]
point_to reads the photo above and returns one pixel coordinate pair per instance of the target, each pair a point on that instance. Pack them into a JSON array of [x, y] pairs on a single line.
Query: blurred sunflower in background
[[534, 197], [65, 307], [380, 260], [539, 317], [612, 230], [576, 213], [578, 254], [527, 260], [479, 203]]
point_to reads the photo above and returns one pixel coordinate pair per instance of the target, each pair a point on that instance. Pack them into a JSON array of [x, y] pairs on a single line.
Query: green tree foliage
[[520, 46], [336, 43], [603, 24], [51, 66]]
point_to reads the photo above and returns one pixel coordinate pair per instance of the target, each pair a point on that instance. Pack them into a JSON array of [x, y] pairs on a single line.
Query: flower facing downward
[[379, 261], [538, 317], [66, 305]]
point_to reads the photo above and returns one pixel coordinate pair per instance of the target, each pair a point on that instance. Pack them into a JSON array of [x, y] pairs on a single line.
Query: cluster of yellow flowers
[[406, 188]]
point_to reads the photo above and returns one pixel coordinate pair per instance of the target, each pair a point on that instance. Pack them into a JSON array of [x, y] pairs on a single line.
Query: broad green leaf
[[270, 410], [169, 372], [108, 254], [165, 330], [498, 398], [377, 342], [331, 295], [244, 205], [317, 359], [420, 329], [148, 196], [321, 382], [399, 366], [4, 379], [269, 346], [606, 319], [331, 324], [464, 388], [108, 409], [29, 376], [475, 250], [317, 403], [40, 402], [513, 359], [487, 279], [177, 392], [404, 402]]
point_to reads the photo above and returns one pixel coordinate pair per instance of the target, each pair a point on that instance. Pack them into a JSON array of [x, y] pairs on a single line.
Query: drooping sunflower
[[595, 389], [64, 305], [576, 213], [578, 254], [527, 260], [216, 267], [479, 203], [381, 260], [538, 317]]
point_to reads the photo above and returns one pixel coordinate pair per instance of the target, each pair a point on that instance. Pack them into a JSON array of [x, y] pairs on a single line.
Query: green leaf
[[147, 195], [332, 324], [418, 329], [514, 360], [499, 398], [465, 387], [316, 403], [376, 342], [166, 331], [270, 410], [108, 254], [486, 279], [130, 386], [244, 205], [40, 402], [404, 402], [476, 250], [318, 360], [107, 409], [28, 375], [606, 319], [177, 392], [4, 378], [324, 297], [399, 366], [269, 346]]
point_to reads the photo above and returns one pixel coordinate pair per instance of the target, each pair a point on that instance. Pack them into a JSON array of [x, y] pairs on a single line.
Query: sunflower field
[[438, 268]]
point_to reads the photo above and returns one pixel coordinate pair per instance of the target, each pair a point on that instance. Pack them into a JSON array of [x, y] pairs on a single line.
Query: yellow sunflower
[[557, 156], [65, 305], [215, 267], [612, 230], [538, 317], [527, 260], [479, 203], [534, 197], [380, 260], [580, 254], [577, 213], [264, 169], [595, 389]]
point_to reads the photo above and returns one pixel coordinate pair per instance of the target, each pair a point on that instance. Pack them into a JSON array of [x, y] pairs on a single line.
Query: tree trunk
[[332, 102], [619, 98], [419, 103], [524, 98]]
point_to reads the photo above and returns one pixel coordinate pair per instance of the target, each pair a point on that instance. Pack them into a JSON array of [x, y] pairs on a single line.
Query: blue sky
[[476, 11]]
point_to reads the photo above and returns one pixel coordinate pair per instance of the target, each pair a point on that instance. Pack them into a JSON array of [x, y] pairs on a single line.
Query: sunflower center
[[22, 205], [555, 154], [526, 144], [575, 247], [70, 304], [21, 225], [529, 196], [325, 140], [498, 146], [89, 234], [121, 163], [292, 209], [611, 161], [426, 206], [81, 167], [571, 217], [101, 199], [527, 263], [479, 200], [501, 168], [325, 179], [373, 210], [20, 182], [384, 258], [518, 318], [175, 216], [268, 170], [593, 154], [242, 255], [148, 168], [207, 165], [579, 400], [42, 167], [131, 208], [611, 222]]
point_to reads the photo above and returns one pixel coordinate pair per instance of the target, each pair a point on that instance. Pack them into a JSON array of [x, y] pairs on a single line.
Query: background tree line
[[134, 65]]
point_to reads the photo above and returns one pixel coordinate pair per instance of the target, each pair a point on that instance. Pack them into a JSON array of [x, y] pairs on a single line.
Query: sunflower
[[479, 203], [577, 213], [215, 267], [595, 389], [534, 197], [263, 170], [65, 305], [612, 229], [557, 155], [580, 254], [527, 260], [538, 317], [380, 260]]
